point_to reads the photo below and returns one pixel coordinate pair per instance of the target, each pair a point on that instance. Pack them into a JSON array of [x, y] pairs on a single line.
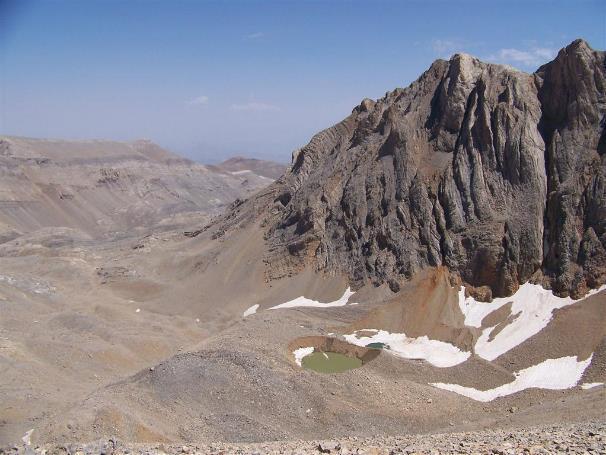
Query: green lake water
[[330, 362]]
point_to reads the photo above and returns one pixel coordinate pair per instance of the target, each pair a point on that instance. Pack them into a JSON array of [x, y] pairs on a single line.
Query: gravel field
[[581, 438]]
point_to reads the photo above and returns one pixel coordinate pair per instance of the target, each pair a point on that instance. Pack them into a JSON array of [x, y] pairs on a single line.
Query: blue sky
[[257, 78]]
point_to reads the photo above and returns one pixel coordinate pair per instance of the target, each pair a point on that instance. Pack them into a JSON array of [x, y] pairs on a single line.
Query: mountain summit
[[497, 174]]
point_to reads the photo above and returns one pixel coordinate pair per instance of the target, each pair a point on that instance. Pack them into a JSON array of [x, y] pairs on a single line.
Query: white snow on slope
[[305, 302], [590, 385], [27, 438], [552, 374], [438, 353], [302, 352], [532, 307], [252, 310]]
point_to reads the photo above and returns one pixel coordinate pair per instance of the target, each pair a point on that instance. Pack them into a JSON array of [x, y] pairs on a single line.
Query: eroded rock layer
[[498, 174]]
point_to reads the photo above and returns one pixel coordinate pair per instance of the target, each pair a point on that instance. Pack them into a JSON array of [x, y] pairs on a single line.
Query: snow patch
[[591, 385], [532, 307], [438, 353], [305, 302], [252, 310], [552, 374], [302, 352], [27, 438]]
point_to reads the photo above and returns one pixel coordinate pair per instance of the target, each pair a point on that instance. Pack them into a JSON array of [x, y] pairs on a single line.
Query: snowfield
[[531, 311], [252, 310], [302, 352], [591, 385], [552, 374], [532, 308], [305, 302], [438, 353]]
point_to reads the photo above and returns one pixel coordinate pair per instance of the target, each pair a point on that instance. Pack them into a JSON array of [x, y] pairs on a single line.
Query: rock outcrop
[[498, 174], [572, 91]]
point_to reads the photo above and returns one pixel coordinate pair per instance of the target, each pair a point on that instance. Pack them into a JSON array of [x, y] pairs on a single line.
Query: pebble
[[329, 447]]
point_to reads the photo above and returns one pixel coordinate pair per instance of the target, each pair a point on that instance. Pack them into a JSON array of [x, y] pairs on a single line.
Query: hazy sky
[[214, 79]]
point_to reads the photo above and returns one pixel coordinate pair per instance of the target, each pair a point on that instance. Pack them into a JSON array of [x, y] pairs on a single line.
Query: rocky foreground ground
[[580, 438]]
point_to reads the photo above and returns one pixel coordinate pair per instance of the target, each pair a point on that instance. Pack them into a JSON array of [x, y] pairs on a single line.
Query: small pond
[[330, 362], [377, 345]]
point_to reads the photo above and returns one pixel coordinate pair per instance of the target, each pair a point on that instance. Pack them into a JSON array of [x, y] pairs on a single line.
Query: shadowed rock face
[[495, 173], [572, 91]]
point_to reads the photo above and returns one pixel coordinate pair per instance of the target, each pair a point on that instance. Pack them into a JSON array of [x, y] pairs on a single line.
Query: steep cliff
[[495, 173]]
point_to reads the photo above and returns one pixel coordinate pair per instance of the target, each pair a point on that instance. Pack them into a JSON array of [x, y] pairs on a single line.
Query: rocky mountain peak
[[465, 66], [487, 170], [577, 46]]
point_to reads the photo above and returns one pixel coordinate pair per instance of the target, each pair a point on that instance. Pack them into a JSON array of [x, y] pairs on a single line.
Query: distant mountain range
[[101, 186]]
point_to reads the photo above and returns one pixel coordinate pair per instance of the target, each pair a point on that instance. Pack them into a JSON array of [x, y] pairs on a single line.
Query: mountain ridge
[[460, 166], [102, 186]]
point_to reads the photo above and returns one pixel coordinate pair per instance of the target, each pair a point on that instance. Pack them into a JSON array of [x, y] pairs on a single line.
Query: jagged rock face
[[572, 90], [495, 173]]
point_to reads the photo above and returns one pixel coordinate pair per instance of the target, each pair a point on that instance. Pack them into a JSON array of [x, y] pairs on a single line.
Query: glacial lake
[[330, 362]]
